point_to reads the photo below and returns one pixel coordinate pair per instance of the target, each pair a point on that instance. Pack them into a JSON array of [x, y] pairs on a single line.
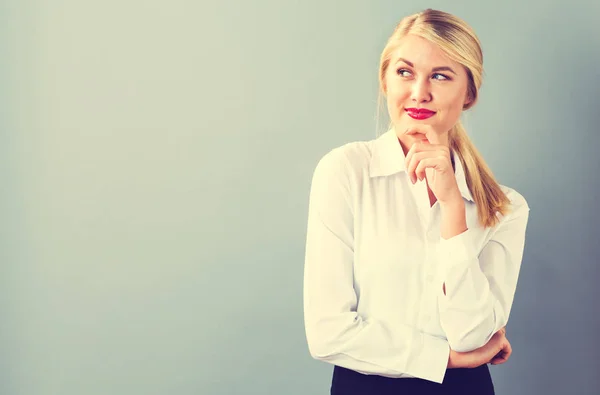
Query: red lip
[[419, 113]]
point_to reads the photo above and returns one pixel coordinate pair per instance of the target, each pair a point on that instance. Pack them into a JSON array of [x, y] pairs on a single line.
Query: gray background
[[156, 161]]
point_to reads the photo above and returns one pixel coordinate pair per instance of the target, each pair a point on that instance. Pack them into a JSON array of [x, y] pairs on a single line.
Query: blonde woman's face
[[425, 91]]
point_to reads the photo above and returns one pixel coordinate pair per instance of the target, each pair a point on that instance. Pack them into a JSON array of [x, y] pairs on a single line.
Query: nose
[[421, 91]]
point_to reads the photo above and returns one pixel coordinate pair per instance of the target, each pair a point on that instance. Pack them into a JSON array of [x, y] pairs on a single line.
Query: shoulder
[[518, 203], [349, 159]]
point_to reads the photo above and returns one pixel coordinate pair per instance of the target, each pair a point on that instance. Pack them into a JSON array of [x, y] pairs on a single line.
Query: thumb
[[432, 136]]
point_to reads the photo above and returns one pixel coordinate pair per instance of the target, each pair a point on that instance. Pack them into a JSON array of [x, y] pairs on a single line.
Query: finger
[[424, 160], [503, 355], [498, 360], [420, 129], [426, 130], [437, 163], [418, 147], [418, 152], [432, 136], [423, 164], [415, 160], [408, 158], [508, 350]]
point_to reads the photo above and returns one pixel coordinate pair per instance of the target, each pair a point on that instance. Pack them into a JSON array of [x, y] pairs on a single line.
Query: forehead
[[422, 53]]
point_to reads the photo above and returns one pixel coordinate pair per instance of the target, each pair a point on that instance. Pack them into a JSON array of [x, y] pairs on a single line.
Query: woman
[[413, 249]]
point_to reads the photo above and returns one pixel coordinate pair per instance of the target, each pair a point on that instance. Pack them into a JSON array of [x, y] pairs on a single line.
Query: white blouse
[[375, 265]]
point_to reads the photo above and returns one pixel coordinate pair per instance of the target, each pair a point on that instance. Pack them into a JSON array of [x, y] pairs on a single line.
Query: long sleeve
[[335, 332], [480, 288]]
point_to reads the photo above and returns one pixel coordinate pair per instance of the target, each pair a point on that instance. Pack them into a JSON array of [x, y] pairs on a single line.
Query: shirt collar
[[387, 158]]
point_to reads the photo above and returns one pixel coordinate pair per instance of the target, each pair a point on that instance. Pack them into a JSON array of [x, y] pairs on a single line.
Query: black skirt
[[463, 381]]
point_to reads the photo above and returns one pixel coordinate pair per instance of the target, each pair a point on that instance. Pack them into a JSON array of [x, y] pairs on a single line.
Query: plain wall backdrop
[[156, 160]]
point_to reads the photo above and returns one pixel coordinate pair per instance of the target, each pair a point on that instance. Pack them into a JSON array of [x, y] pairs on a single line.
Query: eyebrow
[[440, 68]]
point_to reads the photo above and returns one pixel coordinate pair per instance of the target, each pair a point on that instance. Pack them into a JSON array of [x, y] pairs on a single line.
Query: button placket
[[430, 237]]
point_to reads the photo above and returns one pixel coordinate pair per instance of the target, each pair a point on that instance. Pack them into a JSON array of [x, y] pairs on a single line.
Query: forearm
[[467, 304], [375, 346], [460, 359], [454, 219], [467, 330], [479, 356]]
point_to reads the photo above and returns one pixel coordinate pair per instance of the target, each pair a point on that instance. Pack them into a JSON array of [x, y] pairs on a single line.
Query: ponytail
[[484, 188]]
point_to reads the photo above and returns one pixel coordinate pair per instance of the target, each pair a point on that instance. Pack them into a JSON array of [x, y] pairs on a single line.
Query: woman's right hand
[[496, 351]]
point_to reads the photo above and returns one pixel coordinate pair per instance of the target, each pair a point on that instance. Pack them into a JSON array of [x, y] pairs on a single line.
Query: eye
[[443, 77], [403, 72]]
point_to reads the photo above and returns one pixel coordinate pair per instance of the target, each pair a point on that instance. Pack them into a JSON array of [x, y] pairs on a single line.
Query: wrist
[[454, 359], [460, 359], [454, 219], [451, 359], [455, 204]]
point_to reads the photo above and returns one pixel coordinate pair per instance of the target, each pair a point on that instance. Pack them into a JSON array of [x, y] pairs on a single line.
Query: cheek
[[396, 98], [395, 102], [393, 95], [398, 91], [453, 102]]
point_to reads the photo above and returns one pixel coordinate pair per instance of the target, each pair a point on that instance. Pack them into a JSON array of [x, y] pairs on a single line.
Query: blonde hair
[[460, 44]]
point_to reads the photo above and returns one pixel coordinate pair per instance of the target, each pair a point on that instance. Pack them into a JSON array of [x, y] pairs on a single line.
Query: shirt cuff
[[432, 362], [455, 251]]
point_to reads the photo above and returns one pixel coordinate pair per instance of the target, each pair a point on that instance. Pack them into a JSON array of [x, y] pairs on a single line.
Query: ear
[[468, 101], [384, 82]]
